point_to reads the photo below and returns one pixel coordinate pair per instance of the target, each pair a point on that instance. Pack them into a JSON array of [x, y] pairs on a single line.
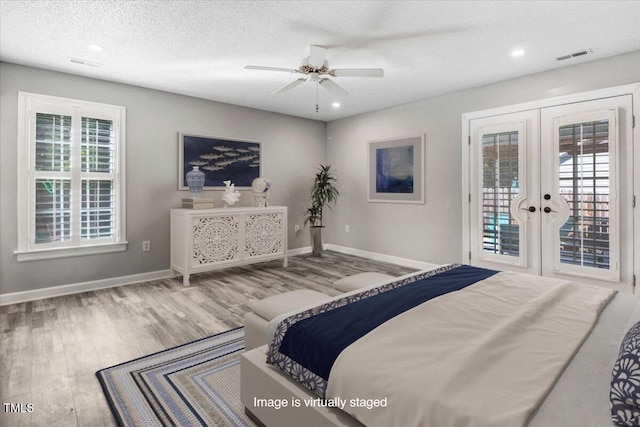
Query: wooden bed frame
[[579, 397]]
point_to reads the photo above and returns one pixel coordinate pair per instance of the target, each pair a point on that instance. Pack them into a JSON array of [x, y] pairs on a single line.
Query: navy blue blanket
[[325, 335]]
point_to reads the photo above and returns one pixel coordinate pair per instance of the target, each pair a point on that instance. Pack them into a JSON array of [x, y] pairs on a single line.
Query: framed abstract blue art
[[220, 159], [396, 170]]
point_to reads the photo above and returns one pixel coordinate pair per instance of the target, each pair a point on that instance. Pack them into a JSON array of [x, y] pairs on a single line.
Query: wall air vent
[[573, 55], [84, 62]]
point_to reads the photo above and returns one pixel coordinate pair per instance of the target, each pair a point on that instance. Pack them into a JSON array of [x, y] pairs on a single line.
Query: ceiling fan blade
[[333, 87], [260, 67], [289, 86], [357, 72], [317, 55]]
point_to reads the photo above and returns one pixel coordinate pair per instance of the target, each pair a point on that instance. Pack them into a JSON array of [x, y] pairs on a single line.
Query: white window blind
[[584, 182], [98, 191], [500, 185], [71, 178]]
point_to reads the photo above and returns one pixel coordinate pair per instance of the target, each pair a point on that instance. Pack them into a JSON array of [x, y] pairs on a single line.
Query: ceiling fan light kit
[[315, 68]]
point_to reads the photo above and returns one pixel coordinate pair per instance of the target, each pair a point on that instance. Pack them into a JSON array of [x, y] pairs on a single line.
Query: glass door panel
[[500, 185], [586, 181], [503, 215]]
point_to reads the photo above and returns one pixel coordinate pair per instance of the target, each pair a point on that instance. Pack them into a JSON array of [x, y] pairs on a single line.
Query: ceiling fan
[[315, 68]]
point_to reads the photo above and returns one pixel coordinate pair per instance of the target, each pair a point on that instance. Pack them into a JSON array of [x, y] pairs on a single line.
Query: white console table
[[210, 239]]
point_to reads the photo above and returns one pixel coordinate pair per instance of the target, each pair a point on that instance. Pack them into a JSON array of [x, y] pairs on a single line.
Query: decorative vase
[[195, 181], [261, 188], [316, 241]]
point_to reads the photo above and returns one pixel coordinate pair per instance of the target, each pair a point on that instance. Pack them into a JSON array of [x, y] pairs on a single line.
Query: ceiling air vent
[[573, 55], [84, 62]]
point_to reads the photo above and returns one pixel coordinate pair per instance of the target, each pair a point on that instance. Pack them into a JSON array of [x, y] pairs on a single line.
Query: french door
[[551, 191]]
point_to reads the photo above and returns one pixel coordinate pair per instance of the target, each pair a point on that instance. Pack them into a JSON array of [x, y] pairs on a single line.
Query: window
[[70, 177]]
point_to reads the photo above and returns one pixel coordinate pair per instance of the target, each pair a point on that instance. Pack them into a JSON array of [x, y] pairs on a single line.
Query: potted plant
[[323, 194]]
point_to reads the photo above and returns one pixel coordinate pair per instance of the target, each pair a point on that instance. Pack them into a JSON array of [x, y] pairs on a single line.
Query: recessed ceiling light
[[95, 47], [336, 104], [517, 52]]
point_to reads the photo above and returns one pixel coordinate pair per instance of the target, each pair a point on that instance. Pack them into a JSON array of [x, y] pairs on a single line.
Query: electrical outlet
[[346, 228], [296, 228], [146, 245]]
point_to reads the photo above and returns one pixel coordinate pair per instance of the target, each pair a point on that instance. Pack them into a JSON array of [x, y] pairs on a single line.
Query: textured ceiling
[[200, 48]]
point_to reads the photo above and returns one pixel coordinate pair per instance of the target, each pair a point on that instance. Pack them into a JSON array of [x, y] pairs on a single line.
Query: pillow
[[624, 397]]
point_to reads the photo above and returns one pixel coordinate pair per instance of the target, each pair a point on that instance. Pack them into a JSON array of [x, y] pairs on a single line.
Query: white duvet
[[485, 356]]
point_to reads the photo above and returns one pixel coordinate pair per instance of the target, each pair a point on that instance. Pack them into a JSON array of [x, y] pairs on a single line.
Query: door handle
[[530, 209], [547, 209]]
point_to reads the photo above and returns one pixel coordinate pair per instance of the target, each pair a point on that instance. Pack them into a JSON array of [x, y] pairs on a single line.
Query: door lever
[[530, 209], [548, 210]]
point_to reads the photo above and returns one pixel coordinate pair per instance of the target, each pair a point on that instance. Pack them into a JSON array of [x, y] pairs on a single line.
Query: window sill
[[41, 254]]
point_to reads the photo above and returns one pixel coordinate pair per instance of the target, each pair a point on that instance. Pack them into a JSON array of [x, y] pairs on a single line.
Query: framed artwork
[[396, 170], [220, 159]]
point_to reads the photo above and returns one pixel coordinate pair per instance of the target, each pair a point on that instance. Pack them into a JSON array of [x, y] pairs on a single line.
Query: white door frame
[[632, 89]]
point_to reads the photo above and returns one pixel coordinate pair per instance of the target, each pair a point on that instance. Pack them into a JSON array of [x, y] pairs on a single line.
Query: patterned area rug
[[195, 384]]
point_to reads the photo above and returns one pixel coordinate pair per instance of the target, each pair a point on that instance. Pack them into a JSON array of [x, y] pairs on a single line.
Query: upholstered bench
[[360, 280], [263, 311]]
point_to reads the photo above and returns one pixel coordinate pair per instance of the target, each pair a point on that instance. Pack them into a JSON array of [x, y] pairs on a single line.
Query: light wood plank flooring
[[50, 349]]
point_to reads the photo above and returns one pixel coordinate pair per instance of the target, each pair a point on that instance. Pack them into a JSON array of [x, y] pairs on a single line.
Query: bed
[[455, 346]]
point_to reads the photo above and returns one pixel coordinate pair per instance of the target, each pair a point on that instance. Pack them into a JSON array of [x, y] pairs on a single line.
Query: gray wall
[[432, 232], [292, 149]]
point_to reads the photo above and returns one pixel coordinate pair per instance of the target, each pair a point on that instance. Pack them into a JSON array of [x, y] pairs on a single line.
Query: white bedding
[[483, 356]]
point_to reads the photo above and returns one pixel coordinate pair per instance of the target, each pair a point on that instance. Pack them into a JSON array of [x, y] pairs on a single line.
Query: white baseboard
[[420, 265], [56, 291], [299, 251]]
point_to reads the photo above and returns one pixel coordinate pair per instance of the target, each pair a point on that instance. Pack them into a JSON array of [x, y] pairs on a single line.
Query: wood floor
[[50, 349]]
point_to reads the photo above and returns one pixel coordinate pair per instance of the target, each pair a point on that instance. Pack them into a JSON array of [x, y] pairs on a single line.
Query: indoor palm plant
[[323, 194]]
